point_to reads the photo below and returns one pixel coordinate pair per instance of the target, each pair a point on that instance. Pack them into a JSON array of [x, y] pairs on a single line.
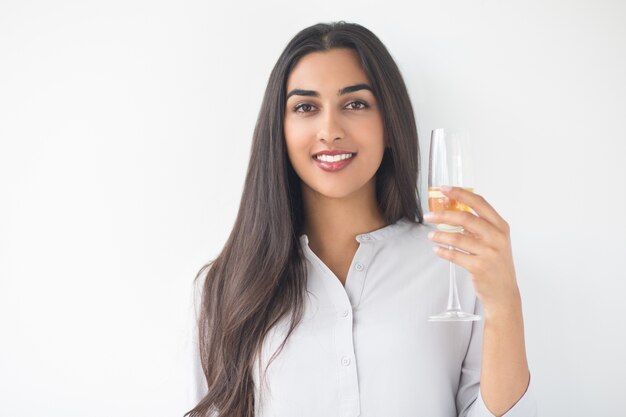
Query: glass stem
[[453, 295]]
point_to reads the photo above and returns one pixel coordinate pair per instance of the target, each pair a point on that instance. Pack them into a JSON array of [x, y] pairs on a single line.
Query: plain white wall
[[125, 131]]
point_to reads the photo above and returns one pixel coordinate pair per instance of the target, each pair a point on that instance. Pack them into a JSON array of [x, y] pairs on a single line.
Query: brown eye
[[303, 108], [357, 105]]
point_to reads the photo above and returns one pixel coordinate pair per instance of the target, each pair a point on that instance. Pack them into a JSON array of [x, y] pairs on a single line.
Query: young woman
[[318, 303]]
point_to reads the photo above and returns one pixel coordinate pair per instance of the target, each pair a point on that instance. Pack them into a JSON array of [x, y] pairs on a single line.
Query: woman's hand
[[486, 238]]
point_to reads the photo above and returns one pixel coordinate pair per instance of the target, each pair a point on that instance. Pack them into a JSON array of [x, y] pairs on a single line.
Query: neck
[[335, 222]]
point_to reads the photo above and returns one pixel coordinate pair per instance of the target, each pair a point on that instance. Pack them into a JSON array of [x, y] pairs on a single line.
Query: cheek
[[297, 145], [294, 132], [371, 133]]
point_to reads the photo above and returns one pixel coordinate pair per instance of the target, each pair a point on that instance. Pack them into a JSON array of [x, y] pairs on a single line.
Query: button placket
[[358, 272], [348, 377], [346, 356], [345, 300]]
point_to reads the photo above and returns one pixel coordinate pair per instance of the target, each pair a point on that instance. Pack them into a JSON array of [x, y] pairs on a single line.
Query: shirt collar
[[384, 232]]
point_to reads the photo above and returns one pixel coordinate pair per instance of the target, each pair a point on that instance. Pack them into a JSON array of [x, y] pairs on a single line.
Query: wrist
[[506, 308]]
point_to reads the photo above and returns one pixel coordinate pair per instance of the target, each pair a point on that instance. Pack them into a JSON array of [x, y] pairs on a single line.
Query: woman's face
[[324, 113]]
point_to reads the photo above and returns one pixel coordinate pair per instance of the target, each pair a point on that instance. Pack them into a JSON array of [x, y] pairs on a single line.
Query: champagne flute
[[450, 164]]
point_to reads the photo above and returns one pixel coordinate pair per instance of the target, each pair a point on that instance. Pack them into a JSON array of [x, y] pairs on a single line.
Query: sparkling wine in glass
[[450, 164]]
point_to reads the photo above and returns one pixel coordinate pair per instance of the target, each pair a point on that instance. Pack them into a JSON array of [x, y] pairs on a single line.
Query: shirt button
[[364, 238], [359, 266], [345, 361], [345, 313]]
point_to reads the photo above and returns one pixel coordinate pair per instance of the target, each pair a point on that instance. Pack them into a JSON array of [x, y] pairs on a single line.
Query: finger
[[478, 204], [466, 232], [470, 222], [464, 260], [459, 241]]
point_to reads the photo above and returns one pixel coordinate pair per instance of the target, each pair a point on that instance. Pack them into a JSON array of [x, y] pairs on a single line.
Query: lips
[[335, 165]]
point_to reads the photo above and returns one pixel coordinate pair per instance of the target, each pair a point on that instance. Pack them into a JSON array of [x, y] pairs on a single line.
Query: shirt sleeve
[[200, 388], [199, 380], [469, 400]]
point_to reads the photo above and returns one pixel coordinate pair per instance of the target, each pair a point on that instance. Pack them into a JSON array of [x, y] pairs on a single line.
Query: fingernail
[[445, 188]]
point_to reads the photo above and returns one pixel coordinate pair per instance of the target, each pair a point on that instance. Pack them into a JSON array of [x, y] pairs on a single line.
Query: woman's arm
[[488, 256], [504, 375]]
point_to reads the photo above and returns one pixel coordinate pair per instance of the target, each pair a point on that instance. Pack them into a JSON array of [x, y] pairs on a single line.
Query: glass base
[[454, 315]]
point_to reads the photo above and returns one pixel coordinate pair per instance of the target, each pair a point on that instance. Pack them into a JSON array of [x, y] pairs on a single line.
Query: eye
[[303, 108], [357, 105]]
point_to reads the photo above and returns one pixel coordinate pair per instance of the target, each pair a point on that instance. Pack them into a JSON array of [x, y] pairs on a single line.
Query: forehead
[[327, 71]]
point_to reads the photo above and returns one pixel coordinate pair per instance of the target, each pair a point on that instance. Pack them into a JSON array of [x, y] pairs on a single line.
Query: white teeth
[[334, 158]]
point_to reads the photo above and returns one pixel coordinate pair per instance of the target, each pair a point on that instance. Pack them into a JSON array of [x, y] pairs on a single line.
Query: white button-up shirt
[[368, 349]]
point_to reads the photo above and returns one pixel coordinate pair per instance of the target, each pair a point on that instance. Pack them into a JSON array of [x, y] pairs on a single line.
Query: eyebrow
[[345, 90]]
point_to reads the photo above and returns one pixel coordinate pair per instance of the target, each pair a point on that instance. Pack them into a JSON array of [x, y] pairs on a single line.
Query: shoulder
[[416, 231], [409, 235]]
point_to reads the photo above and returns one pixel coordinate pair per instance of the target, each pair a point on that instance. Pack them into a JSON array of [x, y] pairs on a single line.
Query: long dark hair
[[259, 278]]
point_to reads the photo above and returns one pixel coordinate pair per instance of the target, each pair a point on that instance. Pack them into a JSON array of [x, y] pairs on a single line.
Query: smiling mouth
[[333, 163], [334, 158]]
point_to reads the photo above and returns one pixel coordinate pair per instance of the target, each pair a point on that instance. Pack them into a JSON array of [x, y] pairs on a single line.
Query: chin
[[337, 191]]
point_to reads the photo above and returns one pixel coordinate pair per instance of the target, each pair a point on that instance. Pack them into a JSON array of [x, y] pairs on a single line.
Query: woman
[[317, 304]]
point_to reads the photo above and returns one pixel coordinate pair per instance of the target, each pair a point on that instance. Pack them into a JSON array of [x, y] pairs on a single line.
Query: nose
[[330, 127]]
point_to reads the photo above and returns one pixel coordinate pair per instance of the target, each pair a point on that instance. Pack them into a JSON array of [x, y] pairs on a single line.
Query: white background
[[125, 129]]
